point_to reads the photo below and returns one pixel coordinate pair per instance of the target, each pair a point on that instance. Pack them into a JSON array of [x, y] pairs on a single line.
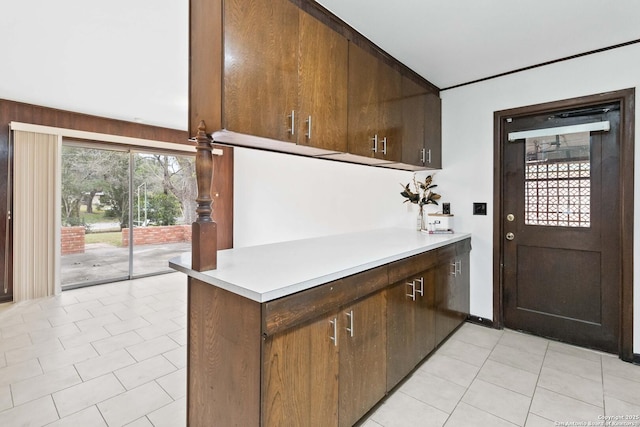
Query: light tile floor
[[115, 355]]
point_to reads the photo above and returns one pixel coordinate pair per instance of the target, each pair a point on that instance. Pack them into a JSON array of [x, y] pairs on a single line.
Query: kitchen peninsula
[[317, 331]]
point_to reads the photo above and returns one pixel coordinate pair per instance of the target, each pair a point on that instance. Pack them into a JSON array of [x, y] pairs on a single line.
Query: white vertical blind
[[36, 215]]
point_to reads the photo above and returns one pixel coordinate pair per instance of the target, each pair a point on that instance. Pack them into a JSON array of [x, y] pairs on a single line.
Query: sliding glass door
[[123, 213], [164, 191]]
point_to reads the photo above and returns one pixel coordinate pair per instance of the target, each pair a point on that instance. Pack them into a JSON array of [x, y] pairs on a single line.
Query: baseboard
[[481, 321], [636, 359]]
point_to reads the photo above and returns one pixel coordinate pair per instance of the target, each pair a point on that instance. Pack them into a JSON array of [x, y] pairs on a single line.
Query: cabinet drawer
[[283, 313], [453, 250], [408, 267]]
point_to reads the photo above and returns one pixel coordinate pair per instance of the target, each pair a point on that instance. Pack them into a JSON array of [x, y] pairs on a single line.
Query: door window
[[557, 180]]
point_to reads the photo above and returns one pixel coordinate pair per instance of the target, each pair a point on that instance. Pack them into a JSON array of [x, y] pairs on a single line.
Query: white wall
[[123, 59], [468, 146], [284, 197]]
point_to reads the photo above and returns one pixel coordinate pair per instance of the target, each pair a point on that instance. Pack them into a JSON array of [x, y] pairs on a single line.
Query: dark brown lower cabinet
[[363, 357], [410, 324], [452, 295], [324, 356], [301, 376], [303, 366]]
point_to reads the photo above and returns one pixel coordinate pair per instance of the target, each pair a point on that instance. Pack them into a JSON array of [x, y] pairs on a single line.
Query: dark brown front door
[[561, 221]]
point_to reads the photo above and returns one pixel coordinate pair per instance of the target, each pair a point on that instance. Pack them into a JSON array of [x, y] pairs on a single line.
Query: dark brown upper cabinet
[[414, 105], [322, 86], [261, 68], [421, 127], [287, 76], [433, 132], [375, 108]]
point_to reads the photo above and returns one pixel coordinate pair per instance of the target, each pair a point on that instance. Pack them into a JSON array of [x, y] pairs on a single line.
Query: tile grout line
[[469, 386], [535, 388]]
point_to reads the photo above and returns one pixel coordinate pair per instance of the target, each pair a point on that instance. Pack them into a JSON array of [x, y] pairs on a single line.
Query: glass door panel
[[102, 240], [94, 208], [163, 199]]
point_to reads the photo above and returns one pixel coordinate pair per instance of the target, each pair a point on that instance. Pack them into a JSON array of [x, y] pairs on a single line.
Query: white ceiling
[[451, 42]]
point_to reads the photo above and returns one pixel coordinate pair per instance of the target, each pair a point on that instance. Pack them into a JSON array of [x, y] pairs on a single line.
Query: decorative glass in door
[[558, 180]]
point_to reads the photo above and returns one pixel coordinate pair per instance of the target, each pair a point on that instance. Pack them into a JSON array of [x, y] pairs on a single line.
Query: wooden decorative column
[[204, 230]]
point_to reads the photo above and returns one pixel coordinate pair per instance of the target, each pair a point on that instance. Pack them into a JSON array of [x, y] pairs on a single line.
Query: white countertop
[[266, 272]]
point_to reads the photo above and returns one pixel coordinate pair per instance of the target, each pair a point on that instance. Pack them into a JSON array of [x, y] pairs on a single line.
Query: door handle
[[412, 295], [421, 290], [334, 324], [292, 116], [384, 145], [308, 134], [350, 317], [510, 236]]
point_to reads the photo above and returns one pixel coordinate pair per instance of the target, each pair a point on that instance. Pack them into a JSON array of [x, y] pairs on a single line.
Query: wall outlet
[[479, 208]]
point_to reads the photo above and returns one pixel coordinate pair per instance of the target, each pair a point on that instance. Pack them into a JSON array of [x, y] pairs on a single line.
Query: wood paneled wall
[[16, 111]]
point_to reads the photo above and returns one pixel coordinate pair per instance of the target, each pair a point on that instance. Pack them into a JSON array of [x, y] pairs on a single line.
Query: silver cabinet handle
[[334, 338], [412, 295], [6, 252], [384, 145], [429, 156], [350, 317], [375, 143], [456, 267], [421, 290], [292, 116], [423, 156], [308, 134]]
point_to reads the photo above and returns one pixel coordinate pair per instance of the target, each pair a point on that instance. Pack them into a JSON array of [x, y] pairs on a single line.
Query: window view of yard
[[100, 200]]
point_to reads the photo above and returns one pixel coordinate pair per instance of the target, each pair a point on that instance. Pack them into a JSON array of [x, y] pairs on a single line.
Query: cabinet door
[[375, 110], [411, 320], [460, 290], [300, 385], [260, 67], [433, 131], [425, 314], [364, 101], [401, 332], [389, 124], [362, 357], [414, 103], [322, 80], [445, 313]]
